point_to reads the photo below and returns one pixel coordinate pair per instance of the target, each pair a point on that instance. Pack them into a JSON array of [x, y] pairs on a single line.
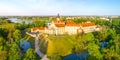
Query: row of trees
[[33, 18], [23, 26]]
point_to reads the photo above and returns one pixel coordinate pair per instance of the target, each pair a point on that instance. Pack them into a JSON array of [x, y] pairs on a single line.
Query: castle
[[60, 27]]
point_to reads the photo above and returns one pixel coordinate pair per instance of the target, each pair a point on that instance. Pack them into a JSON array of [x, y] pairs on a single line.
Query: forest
[[101, 45]]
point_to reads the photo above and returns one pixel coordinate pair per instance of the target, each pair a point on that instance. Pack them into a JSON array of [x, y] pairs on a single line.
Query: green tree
[[17, 36], [3, 55], [94, 52], [2, 43], [3, 32], [30, 55], [55, 57], [101, 35], [14, 53]]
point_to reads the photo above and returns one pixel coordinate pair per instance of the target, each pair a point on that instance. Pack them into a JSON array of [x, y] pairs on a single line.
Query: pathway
[[37, 50]]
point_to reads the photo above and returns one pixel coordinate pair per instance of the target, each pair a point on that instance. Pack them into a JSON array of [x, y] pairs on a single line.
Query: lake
[[15, 20]]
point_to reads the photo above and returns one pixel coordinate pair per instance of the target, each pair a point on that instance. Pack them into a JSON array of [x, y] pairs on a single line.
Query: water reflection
[[81, 56], [103, 44], [25, 45]]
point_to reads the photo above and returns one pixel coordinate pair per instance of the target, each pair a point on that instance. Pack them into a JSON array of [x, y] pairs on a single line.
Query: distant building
[[104, 18], [114, 16]]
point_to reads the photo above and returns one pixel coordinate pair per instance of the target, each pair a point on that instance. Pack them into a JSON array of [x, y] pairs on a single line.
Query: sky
[[63, 7]]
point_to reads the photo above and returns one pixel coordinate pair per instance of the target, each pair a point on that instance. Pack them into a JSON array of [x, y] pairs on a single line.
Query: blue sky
[[64, 7]]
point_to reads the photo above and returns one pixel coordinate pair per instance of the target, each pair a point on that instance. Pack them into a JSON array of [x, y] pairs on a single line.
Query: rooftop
[[62, 23], [38, 28]]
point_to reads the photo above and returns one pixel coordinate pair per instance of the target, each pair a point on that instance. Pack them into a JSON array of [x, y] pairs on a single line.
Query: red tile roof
[[78, 24], [34, 29], [86, 24], [40, 28], [59, 23], [71, 23]]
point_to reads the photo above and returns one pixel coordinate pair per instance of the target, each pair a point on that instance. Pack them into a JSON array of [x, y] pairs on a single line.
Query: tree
[[14, 53], [110, 54], [55, 57], [3, 55], [101, 35], [94, 52], [30, 55], [2, 42], [3, 32], [17, 36]]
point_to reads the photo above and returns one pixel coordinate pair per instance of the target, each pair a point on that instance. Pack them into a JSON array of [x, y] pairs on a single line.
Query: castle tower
[[58, 17]]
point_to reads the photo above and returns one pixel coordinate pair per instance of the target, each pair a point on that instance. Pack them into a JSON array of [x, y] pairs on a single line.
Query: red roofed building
[[71, 27], [88, 27], [59, 27], [40, 29]]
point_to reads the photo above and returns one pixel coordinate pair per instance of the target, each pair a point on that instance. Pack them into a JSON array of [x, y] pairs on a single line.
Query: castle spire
[[58, 17]]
